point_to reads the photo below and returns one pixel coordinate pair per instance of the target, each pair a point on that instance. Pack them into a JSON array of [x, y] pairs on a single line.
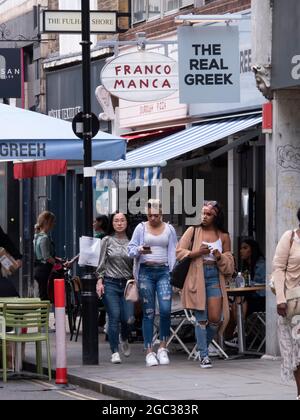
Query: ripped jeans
[[204, 330], [119, 311], [155, 280]]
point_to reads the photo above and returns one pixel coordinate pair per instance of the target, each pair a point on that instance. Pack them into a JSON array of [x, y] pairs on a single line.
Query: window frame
[[163, 12]]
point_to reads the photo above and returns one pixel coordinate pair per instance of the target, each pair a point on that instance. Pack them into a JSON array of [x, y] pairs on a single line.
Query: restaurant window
[[171, 5], [154, 8], [148, 9], [139, 10]]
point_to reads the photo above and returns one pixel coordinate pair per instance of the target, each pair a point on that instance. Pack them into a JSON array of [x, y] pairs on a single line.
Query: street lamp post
[[89, 298]]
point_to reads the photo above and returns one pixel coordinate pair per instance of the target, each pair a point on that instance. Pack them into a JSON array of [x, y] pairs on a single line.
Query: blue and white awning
[[27, 135], [158, 153], [149, 176]]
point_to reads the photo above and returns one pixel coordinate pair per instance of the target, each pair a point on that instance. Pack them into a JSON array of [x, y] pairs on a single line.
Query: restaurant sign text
[[141, 77]]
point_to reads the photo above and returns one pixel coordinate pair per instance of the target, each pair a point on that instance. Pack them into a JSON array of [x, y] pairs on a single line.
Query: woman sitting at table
[[204, 288], [253, 262]]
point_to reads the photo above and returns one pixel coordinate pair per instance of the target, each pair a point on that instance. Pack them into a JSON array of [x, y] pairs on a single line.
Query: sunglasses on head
[[210, 203]]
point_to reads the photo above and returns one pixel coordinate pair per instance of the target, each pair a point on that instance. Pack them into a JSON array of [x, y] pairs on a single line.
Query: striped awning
[[161, 151], [143, 162], [150, 176]]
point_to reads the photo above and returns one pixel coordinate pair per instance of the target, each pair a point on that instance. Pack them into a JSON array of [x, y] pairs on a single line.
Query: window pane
[[154, 8], [171, 5], [139, 10], [183, 3]]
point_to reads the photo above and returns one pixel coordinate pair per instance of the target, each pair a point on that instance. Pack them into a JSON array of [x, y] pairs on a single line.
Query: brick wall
[[166, 25]]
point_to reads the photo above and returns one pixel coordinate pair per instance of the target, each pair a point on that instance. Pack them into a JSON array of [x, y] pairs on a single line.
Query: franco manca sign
[[69, 21], [141, 77], [209, 64]]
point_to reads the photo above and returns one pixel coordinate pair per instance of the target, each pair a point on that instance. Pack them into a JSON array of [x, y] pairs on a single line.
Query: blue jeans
[[155, 280], [205, 333], [119, 311]]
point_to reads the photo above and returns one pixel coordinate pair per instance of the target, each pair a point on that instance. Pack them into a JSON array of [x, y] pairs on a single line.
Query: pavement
[[183, 379]]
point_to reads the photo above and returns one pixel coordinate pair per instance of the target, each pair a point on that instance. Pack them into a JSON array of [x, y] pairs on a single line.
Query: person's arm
[[135, 245], [100, 272], [260, 272], [280, 262], [183, 251], [6, 243]]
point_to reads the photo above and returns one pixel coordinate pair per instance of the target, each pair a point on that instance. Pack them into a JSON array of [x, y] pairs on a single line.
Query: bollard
[[60, 335]]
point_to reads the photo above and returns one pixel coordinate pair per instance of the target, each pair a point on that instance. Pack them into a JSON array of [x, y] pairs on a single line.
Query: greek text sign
[[209, 64], [69, 21], [141, 77], [59, 149], [10, 73]]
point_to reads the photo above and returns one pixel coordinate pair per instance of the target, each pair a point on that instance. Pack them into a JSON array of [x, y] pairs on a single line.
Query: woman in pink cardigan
[[204, 288], [286, 276]]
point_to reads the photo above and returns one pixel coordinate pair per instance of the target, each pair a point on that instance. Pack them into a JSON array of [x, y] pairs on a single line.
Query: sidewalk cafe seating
[[256, 332], [21, 317]]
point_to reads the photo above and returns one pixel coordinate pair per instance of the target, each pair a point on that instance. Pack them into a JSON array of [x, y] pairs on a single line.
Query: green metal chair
[[21, 317]]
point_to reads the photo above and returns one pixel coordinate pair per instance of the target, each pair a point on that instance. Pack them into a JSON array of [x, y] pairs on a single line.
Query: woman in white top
[[204, 287], [153, 245]]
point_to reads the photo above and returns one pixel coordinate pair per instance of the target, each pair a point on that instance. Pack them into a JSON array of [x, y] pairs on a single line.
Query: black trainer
[[205, 363]]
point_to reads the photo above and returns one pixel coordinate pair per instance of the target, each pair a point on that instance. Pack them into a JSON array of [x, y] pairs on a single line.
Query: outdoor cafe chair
[[21, 317]]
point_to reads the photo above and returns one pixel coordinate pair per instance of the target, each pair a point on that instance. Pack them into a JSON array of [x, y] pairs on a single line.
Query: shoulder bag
[[180, 271], [131, 292]]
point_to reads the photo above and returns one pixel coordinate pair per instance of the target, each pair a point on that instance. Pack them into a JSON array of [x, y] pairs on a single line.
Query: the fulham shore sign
[[69, 21], [141, 77]]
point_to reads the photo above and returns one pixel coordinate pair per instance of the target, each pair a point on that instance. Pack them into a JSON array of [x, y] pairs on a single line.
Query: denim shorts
[[212, 288]]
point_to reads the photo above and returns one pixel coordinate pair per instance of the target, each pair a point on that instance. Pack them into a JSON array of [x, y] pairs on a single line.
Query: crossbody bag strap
[[192, 240]]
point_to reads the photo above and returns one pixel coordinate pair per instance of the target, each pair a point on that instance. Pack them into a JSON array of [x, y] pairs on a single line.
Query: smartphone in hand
[[146, 249]]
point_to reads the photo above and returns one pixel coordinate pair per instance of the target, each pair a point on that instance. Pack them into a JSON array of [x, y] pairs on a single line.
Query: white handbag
[[293, 302]]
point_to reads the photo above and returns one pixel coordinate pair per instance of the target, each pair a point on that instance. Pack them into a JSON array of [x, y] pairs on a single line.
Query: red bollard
[[60, 335]]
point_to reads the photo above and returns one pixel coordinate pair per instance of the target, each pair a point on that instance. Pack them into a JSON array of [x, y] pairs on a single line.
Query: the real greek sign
[[141, 76], [209, 64], [10, 73], [69, 21]]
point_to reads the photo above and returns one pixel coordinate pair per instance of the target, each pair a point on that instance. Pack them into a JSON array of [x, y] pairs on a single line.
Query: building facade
[[276, 59]]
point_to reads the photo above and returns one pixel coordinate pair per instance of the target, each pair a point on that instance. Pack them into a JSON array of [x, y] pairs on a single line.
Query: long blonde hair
[[44, 219]]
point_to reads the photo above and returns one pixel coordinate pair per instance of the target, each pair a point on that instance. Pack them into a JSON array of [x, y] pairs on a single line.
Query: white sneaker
[[115, 358], [151, 359], [212, 351], [162, 356], [234, 343], [125, 348]]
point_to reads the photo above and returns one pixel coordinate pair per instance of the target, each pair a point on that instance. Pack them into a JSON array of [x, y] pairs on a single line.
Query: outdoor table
[[242, 291], [3, 300]]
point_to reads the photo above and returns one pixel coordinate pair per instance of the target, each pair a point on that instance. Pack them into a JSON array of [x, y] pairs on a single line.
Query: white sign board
[[141, 77], [69, 21], [209, 69], [135, 114]]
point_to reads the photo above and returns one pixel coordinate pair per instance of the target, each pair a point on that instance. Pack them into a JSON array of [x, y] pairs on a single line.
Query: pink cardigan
[[286, 265]]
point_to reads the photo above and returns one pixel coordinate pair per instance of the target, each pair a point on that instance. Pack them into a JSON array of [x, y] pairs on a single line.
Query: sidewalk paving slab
[[247, 379]]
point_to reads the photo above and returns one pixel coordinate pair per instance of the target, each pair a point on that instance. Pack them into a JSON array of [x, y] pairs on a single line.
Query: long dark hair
[[298, 215], [219, 220], [111, 231], [256, 254], [103, 220]]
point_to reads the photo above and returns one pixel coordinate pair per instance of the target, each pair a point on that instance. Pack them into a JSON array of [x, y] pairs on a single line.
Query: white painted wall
[[70, 43]]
